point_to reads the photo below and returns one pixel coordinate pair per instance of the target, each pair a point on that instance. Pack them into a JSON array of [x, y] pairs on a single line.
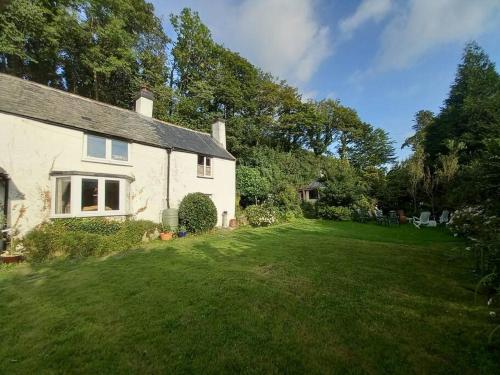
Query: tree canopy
[[107, 50]]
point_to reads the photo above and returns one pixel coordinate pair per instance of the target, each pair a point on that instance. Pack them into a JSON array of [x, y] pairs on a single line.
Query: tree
[[416, 173], [471, 113], [342, 185], [251, 186], [423, 119], [373, 148], [100, 49]]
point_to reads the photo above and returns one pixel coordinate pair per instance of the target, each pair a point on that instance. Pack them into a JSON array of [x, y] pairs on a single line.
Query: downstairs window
[[79, 196]]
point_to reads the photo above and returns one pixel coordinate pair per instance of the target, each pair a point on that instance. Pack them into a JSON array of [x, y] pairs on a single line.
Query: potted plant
[[182, 231], [166, 233], [12, 255]]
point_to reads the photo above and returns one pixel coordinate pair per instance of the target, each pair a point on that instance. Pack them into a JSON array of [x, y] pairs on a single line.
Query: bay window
[[204, 166], [80, 195], [102, 149]]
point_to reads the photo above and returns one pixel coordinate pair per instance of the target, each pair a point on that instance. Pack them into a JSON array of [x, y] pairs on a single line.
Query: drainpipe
[[169, 151]]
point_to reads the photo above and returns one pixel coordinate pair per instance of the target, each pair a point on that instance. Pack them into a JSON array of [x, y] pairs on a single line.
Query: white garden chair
[[422, 220], [445, 217]]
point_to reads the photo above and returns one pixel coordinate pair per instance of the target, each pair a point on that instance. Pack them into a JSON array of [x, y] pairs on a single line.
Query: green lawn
[[311, 296]]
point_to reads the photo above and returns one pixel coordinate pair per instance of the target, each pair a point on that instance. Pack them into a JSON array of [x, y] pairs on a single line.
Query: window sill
[[206, 177], [89, 214], [106, 161]]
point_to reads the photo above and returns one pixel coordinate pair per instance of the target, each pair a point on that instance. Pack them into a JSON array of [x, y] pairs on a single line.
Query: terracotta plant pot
[[233, 223], [166, 236], [16, 258]]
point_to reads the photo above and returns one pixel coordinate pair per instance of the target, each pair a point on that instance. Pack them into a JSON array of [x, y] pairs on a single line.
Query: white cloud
[[283, 37], [368, 10], [426, 24], [309, 95]]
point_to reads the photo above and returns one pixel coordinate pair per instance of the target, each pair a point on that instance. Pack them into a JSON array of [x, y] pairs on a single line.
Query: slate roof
[[57, 107], [313, 186]]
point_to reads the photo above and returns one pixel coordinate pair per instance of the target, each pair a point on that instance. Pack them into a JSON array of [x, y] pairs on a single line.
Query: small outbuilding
[[311, 192]]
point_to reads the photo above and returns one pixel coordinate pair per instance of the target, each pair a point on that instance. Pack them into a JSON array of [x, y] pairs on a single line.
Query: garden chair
[[361, 215], [445, 217], [422, 220], [393, 218], [379, 217]]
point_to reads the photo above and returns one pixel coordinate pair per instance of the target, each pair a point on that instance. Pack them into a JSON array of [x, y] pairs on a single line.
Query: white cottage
[[63, 155]]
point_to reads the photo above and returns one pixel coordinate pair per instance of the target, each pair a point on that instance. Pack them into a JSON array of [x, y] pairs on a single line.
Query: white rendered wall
[[30, 150], [222, 187]]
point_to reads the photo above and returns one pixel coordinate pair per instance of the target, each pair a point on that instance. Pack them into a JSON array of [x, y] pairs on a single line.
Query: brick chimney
[[219, 132], [144, 102]]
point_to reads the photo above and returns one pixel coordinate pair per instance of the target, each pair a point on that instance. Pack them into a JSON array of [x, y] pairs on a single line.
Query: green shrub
[[133, 230], [95, 225], [261, 215], [44, 242], [57, 238], [197, 213], [309, 210], [334, 212], [287, 200]]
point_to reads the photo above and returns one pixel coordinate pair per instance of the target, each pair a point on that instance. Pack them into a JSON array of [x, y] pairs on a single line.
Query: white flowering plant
[[261, 215], [481, 229]]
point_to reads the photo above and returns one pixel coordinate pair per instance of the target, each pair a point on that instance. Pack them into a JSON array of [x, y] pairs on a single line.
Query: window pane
[[119, 150], [96, 146], [201, 171], [201, 160], [208, 171], [63, 195], [89, 194], [112, 198], [208, 161]]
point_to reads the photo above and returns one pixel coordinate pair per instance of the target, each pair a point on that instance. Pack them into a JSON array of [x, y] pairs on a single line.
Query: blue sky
[[386, 58]]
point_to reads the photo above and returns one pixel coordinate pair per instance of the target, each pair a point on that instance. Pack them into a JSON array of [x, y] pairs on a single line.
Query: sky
[[387, 59]]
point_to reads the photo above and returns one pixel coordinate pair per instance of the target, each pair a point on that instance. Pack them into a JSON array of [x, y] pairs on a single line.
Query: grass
[[310, 296]]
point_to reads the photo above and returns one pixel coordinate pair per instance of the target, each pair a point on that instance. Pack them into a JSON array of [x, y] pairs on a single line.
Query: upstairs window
[[96, 147], [106, 149], [204, 166], [119, 150]]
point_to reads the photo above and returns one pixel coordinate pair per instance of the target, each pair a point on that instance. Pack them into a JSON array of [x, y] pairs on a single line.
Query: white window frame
[[205, 175], [76, 197], [108, 159]]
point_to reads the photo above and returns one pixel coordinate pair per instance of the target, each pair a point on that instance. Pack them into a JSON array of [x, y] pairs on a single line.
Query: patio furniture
[[424, 219], [361, 215], [393, 218], [379, 216], [445, 217]]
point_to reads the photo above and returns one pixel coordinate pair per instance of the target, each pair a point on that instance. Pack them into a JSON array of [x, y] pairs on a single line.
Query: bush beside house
[[85, 237], [197, 213]]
